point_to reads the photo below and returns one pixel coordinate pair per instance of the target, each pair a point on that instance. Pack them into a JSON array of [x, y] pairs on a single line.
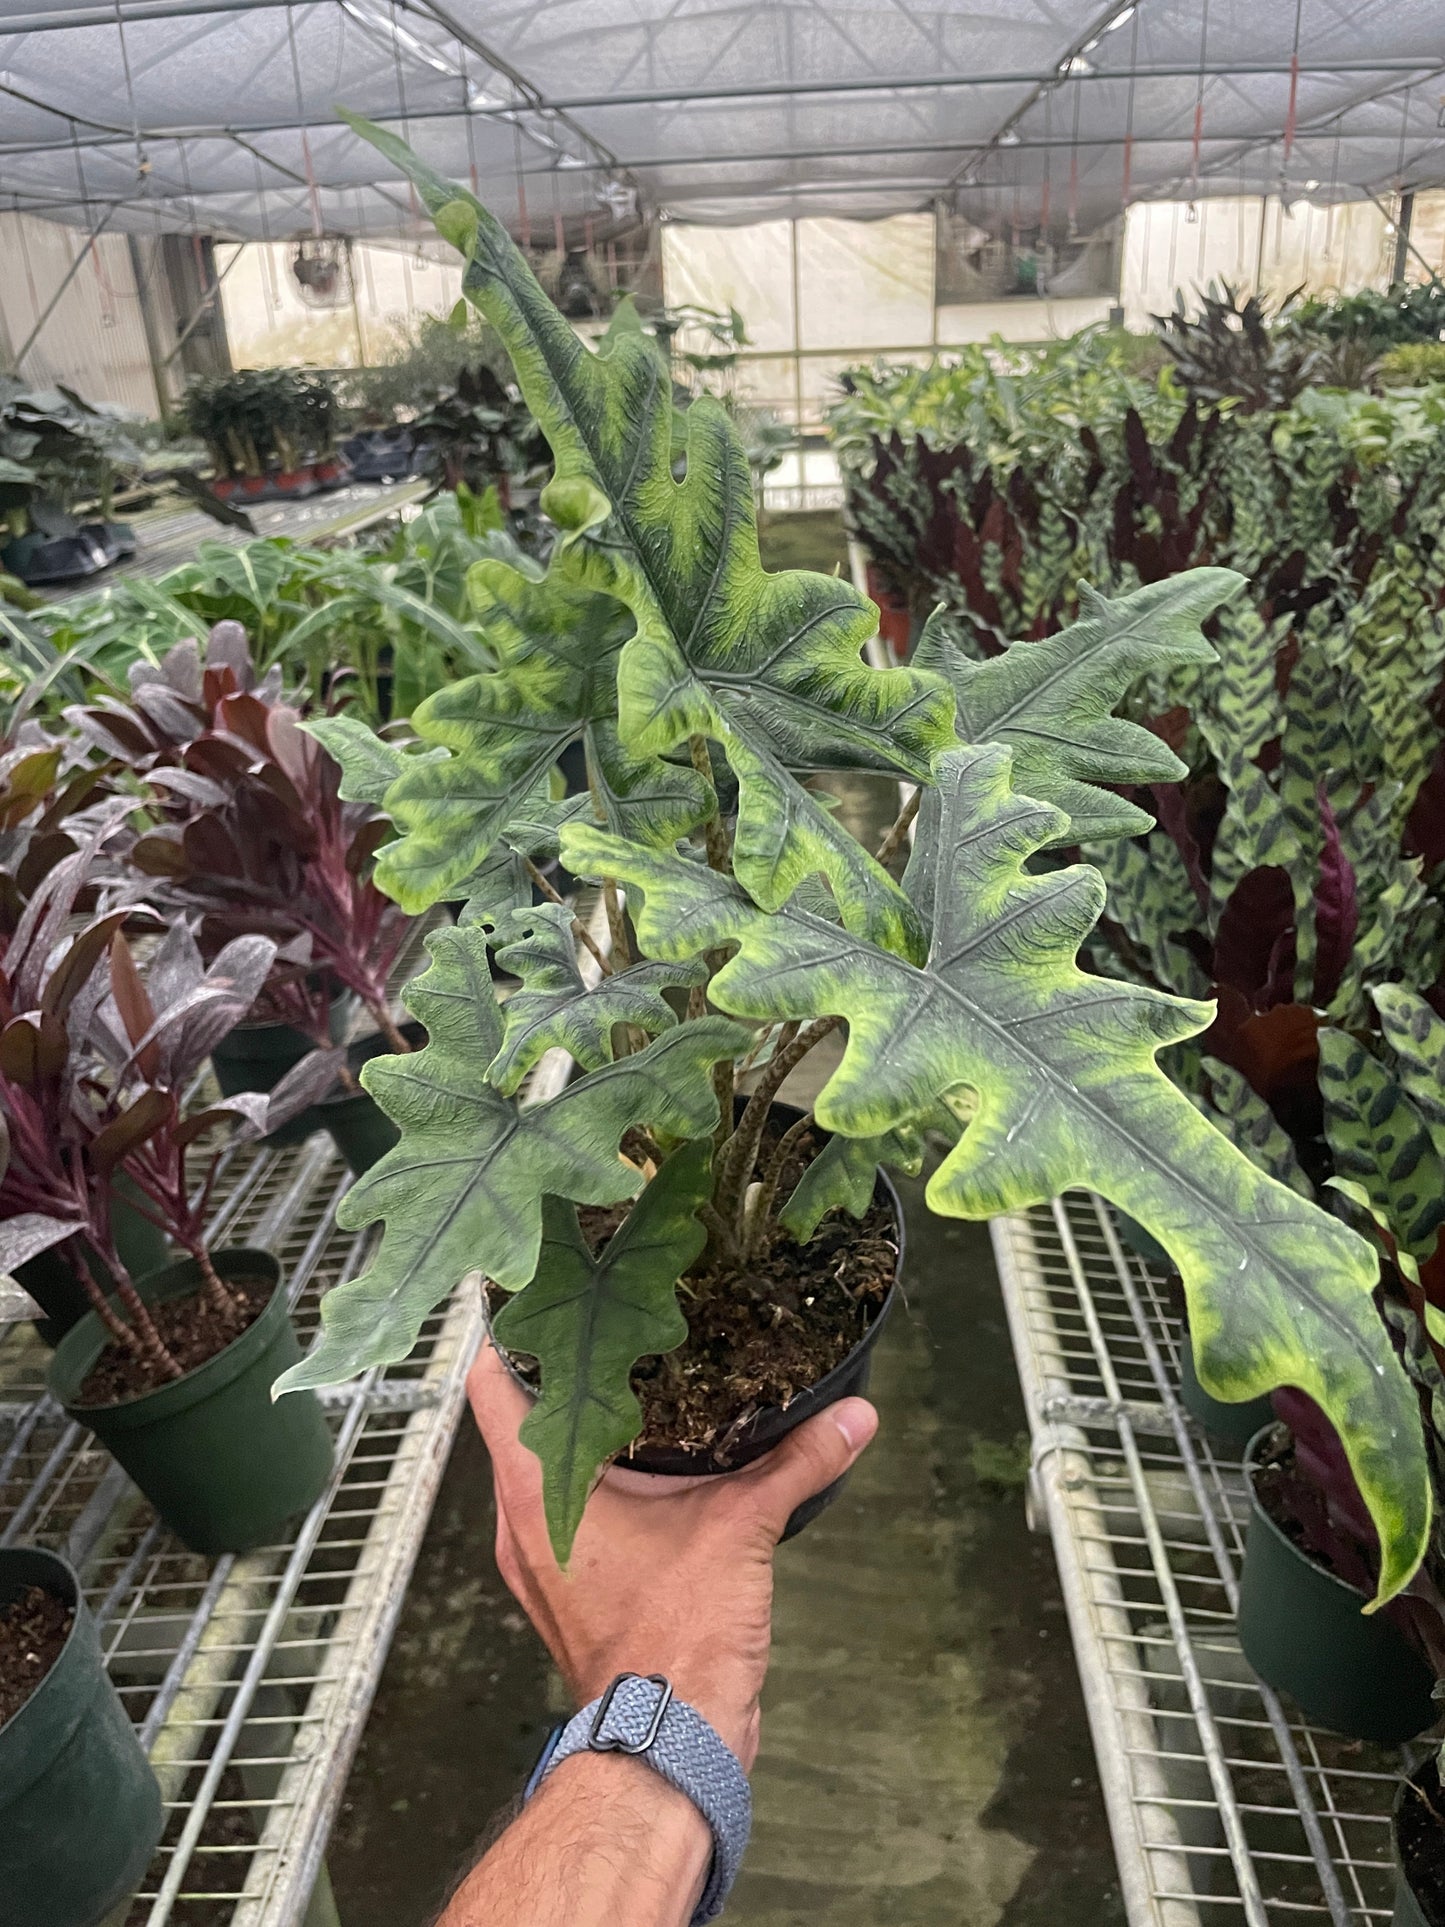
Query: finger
[[810, 1459], [499, 1405]]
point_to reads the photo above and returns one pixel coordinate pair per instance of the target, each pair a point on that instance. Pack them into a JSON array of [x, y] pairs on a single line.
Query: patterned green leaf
[[1237, 706], [768, 664], [462, 1190], [843, 1175], [1051, 700], [1417, 1037], [1380, 1141], [1069, 1094], [1248, 1122], [556, 1009], [1153, 901], [498, 735], [588, 1320]]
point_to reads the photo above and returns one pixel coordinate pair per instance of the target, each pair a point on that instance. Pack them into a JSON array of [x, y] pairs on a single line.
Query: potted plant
[[80, 1810], [95, 1055], [739, 944], [62, 458], [253, 838], [479, 435]]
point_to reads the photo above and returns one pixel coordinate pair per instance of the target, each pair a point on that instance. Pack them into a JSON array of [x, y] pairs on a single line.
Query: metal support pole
[[1402, 237], [203, 307], [150, 322]]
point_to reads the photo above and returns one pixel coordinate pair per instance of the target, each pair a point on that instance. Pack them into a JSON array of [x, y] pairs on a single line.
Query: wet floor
[[925, 1758]]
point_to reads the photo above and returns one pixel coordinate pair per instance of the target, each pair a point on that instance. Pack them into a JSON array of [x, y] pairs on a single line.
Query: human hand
[[667, 1575]]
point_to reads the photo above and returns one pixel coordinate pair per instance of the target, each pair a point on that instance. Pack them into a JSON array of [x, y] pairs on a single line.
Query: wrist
[[729, 1706]]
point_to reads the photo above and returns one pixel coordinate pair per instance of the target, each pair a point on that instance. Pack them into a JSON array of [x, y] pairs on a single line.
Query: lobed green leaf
[[462, 1190], [1069, 1094]]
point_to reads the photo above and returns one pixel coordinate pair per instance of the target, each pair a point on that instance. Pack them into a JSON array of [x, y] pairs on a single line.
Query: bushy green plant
[[372, 629], [1383, 320], [256, 421], [423, 362], [657, 639], [59, 450], [1413, 364]]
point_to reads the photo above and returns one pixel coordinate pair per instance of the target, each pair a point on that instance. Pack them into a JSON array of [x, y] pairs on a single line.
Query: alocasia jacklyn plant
[[657, 639]]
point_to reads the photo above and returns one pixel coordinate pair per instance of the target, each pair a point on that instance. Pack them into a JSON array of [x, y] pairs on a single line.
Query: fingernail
[[857, 1421]]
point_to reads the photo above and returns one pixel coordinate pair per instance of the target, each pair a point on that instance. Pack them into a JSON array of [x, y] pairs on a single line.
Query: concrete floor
[[925, 1761]]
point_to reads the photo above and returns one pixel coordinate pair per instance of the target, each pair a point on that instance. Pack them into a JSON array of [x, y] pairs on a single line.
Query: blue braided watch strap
[[642, 1717]]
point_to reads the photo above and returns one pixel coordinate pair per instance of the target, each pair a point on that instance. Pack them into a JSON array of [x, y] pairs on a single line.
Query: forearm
[[605, 1840]]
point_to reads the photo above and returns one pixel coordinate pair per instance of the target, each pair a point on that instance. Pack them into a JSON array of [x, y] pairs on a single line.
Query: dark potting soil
[[1294, 1502], [191, 1331], [760, 1337], [1421, 1834], [33, 1630]]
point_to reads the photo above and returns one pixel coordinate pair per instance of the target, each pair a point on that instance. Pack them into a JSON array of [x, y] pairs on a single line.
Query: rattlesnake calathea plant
[[656, 637]]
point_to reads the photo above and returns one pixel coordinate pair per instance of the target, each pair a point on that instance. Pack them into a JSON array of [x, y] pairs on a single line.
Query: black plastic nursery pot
[[255, 1057], [1304, 1631], [1417, 1837], [80, 1811], [53, 1284], [225, 1468], [772, 1424], [360, 1129]]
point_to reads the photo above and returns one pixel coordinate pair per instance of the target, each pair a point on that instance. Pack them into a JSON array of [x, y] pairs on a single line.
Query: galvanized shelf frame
[[250, 1677], [1223, 1804]]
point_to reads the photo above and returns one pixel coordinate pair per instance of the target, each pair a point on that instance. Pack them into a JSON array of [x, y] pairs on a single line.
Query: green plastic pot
[[255, 1057], [225, 1468], [361, 1130], [1235, 1423], [80, 1811], [1305, 1632], [1142, 1242], [52, 1282]]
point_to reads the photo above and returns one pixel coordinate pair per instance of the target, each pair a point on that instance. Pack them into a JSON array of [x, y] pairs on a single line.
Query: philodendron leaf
[[588, 1320], [463, 1189], [771, 663], [495, 736], [556, 1009], [1380, 1141], [1068, 1094], [844, 1175], [1051, 700]]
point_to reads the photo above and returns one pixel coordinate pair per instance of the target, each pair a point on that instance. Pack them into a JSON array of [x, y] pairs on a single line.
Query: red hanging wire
[[1129, 119], [1291, 118], [524, 224]]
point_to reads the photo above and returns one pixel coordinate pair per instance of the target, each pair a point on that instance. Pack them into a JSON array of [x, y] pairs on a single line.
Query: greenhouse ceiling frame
[[571, 117]]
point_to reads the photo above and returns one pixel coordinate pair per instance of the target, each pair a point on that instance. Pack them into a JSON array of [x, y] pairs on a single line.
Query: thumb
[[811, 1458]]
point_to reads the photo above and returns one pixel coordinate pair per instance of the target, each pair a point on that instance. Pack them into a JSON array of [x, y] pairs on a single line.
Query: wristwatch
[[644, 1717]]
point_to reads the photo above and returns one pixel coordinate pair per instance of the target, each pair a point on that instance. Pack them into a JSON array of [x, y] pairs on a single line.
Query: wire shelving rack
[[1224, 1806]]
